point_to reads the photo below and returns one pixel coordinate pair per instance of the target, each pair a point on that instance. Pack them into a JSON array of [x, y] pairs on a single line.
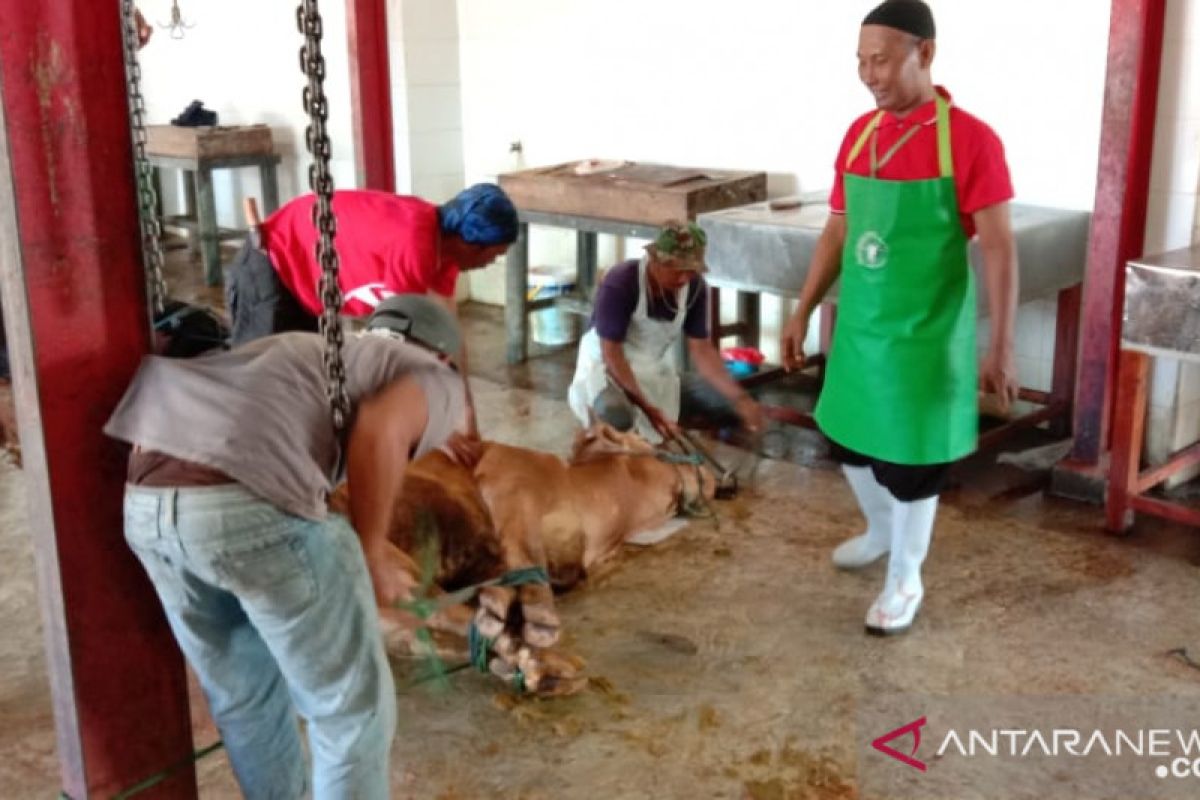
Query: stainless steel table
[[756, 248], [1161, 320]]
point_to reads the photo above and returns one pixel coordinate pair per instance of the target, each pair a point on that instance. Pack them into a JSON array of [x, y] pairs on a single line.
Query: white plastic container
[[552, 326]]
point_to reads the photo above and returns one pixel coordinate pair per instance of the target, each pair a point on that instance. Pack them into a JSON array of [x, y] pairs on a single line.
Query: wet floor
[[730, 661]]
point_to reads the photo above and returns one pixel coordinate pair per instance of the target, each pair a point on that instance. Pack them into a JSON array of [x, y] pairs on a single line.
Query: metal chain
[[312, 63], [152, 256]]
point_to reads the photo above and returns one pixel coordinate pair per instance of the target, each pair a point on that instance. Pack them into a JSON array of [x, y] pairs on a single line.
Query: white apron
[[650, 353]]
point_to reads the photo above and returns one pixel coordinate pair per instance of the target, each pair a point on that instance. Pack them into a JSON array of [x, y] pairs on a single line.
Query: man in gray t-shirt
[[269, 595]]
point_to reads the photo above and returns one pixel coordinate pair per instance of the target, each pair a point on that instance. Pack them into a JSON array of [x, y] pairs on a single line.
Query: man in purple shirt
[[642, 307]]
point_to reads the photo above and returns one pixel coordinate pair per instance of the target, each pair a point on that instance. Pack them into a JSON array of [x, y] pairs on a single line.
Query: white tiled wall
[[398, 80], [771, 85], [432, 94], [240, 59], [1174, 417]]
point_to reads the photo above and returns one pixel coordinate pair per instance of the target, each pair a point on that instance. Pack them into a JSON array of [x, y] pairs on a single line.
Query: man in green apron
[[916, 180]]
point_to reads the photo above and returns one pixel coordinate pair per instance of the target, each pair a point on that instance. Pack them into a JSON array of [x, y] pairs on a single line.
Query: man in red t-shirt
[[916, 179], [387, 244]]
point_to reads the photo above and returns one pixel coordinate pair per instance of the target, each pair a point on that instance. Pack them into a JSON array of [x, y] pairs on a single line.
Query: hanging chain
[[152, 257], [312, 63]]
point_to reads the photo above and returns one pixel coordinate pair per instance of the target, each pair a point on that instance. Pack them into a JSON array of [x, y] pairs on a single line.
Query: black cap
[[910, 16]]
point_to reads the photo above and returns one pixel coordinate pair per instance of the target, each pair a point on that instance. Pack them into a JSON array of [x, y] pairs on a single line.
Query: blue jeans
[[275, 614]]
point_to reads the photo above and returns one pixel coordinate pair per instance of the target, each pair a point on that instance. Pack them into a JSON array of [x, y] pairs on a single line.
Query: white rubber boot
[[897, 605], [876, 503]]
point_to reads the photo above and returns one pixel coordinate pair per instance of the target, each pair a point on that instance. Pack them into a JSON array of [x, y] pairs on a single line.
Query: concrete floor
[[730, 661]]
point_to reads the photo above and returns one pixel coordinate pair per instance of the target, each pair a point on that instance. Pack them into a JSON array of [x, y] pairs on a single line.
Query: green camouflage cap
[[680, 245]]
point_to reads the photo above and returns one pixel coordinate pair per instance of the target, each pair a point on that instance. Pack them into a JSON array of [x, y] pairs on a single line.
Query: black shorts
[[258, 302], [906, 482]]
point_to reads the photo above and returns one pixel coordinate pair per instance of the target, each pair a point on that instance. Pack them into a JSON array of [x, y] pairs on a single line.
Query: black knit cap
[[910, 16]]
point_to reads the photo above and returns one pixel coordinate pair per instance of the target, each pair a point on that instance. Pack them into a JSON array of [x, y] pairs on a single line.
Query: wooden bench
[[592, 197], [198, 152]]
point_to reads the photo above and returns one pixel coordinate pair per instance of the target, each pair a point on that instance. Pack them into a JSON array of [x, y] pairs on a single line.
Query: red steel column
[[1119, 218], [76, 315], [371, 94]]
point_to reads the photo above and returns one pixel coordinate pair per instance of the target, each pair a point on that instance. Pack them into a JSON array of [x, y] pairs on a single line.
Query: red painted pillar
[[371, 94], [76, 314], [1119, 217]]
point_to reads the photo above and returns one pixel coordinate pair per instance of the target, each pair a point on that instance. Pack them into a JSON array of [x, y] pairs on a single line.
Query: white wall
[[1172, 220], [771, 85], [241, 59], [433, 111]]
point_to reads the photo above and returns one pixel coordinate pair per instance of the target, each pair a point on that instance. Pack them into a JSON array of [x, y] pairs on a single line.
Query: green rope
[[680, 458], [478, 645], [423, 679], [422, 606], [161, 775]]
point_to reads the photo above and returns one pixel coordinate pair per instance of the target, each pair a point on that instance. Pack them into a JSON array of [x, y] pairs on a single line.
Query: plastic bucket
[[552, 326]]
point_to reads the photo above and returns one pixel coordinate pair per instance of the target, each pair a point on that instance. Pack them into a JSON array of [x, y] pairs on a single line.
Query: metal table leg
[[585, 263], [188, 212], [1066, 350], [157, 182], [206, 226], [714, 316], [270, 186], [749, 315], [516, 316]]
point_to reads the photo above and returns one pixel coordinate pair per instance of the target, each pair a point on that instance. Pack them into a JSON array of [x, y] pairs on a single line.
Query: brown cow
[[520, 508]]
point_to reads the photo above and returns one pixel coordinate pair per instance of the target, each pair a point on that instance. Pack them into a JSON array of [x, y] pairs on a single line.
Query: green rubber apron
[[900, 385]]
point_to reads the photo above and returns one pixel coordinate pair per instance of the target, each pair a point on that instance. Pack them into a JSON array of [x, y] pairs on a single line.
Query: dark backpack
[[190, 329]]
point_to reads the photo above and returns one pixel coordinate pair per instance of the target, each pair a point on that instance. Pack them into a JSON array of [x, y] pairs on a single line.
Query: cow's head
[[603, 439], [686, 485]]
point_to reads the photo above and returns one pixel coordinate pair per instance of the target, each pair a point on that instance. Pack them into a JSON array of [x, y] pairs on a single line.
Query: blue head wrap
[[481, 214]]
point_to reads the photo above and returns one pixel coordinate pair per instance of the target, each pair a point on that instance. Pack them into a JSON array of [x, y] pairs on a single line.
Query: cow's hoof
[[546, 673], [537, 605], [497, 600], [540, 635], [487, 624], [549, 672]]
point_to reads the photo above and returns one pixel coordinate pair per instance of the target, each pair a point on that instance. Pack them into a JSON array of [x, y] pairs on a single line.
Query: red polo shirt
[[980, 172], [387, 244]]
